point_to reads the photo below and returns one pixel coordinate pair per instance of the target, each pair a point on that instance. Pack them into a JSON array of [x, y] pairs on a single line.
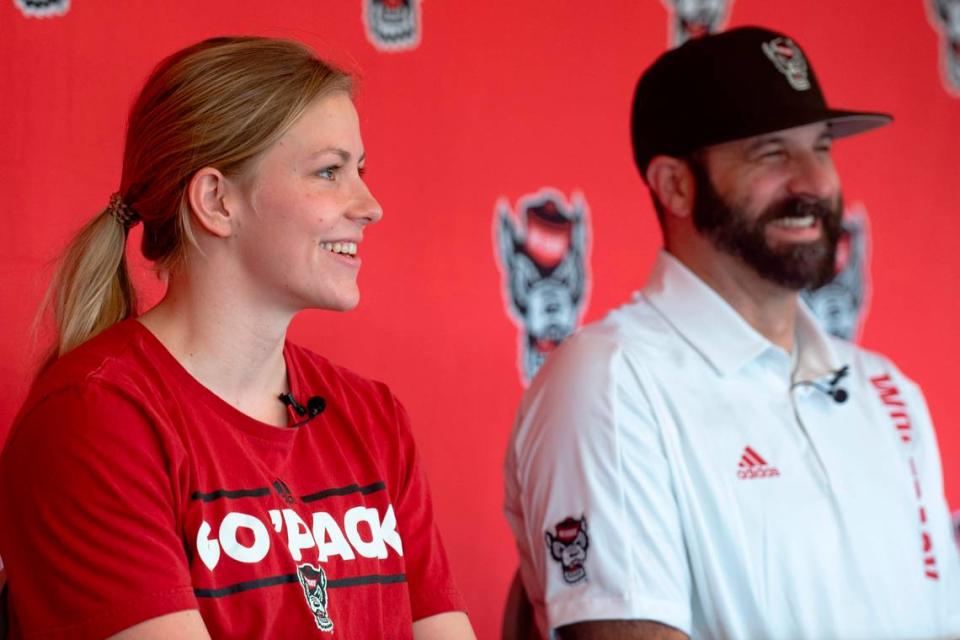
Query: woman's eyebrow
[[343, 153]]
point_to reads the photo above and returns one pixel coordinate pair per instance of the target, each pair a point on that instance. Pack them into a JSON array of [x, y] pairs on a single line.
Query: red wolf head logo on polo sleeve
[[569, 547]]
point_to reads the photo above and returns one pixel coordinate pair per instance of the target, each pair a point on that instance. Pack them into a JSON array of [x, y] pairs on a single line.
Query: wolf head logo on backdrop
[[841, 304], [542, 255], [946, 17], [43, 8], [694, 18], [314, 583], [392, 25]]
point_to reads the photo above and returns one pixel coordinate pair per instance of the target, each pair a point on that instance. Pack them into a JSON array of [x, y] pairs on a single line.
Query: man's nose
[[814, 175]]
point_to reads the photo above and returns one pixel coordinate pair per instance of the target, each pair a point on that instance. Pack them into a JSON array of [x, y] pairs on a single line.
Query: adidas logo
[[752, 465]]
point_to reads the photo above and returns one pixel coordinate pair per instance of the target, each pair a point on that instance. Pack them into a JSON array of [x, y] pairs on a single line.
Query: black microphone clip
[[315, 406], [837, 393]]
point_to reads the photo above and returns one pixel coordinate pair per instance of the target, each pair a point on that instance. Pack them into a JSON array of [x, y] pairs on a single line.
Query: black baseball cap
[[727, 86]]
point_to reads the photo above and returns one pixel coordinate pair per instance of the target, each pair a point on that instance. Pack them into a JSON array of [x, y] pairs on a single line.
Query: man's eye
[[773, 154], [328, 173]]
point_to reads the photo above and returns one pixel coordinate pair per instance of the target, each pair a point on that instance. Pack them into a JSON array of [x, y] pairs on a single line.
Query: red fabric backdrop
[[495, 101]]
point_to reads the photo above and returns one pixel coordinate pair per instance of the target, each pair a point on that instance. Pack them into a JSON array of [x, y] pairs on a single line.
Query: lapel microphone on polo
[[315, 406], [838, 393]]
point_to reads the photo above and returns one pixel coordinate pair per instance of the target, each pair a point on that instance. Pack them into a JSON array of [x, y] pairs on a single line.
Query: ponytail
[[92, 289]]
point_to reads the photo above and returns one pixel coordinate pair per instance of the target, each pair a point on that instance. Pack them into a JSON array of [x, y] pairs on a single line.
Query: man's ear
[[206, 194], [672, 181]]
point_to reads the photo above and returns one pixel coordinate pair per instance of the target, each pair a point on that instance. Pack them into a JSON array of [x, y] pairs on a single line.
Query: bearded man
[[735, 472]]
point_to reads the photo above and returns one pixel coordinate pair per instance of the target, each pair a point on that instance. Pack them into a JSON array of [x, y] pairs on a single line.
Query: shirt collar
[[719, 333]]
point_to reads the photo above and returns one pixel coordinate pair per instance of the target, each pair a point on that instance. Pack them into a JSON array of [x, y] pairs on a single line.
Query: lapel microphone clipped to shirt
[[315, 406], [831, 387]]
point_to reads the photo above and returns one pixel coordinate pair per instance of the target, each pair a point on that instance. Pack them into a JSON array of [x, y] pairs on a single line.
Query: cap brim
[[848, 123], [841, 123]]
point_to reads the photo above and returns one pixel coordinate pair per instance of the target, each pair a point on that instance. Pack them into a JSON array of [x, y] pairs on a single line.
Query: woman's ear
[[206, 195], [672, 181]]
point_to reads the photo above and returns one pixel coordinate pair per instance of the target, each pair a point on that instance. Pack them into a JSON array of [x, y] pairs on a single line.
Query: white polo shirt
[[666, 465]]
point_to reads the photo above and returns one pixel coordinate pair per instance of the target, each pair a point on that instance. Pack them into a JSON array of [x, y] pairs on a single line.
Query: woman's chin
[[340, 303]]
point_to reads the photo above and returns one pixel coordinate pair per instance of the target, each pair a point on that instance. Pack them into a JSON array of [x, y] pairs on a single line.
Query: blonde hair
[[218, 103]]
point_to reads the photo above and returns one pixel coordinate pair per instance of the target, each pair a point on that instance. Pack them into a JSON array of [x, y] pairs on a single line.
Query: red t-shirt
[[128, 490]]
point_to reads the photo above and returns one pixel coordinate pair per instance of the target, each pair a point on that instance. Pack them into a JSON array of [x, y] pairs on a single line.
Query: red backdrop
[[495, 101]]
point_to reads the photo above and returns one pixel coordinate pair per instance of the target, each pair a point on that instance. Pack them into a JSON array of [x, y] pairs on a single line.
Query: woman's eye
[[362, 171], [328, 173]]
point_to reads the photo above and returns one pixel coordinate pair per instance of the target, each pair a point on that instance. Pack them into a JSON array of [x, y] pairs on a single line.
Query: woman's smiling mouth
[[342, 248]]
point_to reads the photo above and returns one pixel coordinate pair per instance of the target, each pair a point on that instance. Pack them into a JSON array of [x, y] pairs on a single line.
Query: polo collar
[[719, 333]]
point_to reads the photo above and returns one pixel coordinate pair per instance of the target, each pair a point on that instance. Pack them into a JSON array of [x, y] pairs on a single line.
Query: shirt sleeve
[[430, 581], [89, 533], [590, 496]]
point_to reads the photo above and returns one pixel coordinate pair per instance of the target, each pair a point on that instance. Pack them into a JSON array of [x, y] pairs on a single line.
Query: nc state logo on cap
[[789, 60]]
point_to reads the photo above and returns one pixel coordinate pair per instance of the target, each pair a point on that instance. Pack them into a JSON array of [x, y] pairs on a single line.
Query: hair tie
[[122, 212]]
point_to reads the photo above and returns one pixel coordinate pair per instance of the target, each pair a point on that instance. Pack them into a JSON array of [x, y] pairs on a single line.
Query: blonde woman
[[189, 473]]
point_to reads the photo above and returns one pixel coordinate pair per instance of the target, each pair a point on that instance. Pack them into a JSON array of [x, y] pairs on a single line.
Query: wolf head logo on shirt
[[841, 304], [392, 25], [945, 15], [542, 251], [694, 18], [314, 583], [568, 546]]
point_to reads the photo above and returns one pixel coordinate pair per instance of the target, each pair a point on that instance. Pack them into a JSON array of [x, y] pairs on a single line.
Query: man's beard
[[792, 265]]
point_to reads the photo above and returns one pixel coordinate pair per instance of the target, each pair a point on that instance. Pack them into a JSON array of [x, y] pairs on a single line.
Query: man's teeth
[[346, 248], [795, 223]]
